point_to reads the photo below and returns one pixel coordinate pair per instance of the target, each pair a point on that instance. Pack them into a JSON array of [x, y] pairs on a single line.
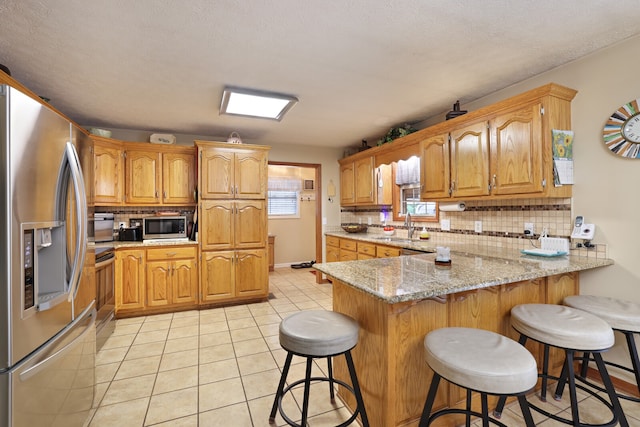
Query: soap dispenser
[[424, 234]]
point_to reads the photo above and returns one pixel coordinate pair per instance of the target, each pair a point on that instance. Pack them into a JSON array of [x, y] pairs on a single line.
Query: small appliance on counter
[[130, 234]]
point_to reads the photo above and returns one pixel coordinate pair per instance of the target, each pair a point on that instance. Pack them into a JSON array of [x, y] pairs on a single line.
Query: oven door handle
[[105, 263]]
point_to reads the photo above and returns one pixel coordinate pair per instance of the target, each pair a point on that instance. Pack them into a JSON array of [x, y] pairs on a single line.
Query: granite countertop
[[380, 239], [155, 242], [416, 277]]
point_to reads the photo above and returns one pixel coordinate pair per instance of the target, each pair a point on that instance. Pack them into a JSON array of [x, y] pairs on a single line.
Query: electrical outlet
[[369, 221], [529, 229], [477, 227], [445, 224]]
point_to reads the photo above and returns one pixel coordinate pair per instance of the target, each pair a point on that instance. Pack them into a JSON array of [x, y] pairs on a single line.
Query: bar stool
[[318, 334], [570, 330], [480, 361], [622, 316]]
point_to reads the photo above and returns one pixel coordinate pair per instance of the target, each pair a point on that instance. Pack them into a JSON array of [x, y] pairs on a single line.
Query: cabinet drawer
[[350, 245], [387, 252], [333, 241], [367, 248], [172, 252]]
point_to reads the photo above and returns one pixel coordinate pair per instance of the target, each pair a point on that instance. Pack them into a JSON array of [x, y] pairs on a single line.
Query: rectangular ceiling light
[[255, 103]]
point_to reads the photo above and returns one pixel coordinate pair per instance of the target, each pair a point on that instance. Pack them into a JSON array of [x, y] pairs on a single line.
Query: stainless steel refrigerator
[[47, 288]]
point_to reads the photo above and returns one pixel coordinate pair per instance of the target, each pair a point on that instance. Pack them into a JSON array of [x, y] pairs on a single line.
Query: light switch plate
[[445, 224], [477, 227]]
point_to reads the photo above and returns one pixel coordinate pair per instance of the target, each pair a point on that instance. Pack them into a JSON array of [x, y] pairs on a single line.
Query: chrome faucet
[[410, 227]]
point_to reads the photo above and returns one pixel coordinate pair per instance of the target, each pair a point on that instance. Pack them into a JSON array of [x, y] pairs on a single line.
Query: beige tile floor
[[220, 367]]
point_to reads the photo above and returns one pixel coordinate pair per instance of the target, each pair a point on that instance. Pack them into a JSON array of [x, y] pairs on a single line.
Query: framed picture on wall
[[308, 184]]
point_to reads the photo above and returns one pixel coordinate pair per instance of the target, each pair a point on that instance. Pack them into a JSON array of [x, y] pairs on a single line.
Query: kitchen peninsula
[[397, 301]]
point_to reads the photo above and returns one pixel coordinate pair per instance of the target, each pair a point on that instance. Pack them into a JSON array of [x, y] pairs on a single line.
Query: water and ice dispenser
[[44, 263]]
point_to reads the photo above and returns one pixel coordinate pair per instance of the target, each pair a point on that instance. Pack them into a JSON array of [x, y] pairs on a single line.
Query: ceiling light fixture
[[254, 103]]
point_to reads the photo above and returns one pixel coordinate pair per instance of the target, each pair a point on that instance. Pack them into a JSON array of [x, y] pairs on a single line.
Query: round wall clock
[[621, 132]]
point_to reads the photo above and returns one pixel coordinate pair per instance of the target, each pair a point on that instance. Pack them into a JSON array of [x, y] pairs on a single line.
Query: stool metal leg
[[526, 411], [283, 379], [485, 410], [431, 397], [617, 408], [330, 369], [307, 386], [468, 418], [356, 389], [633, 353], [545, 373]]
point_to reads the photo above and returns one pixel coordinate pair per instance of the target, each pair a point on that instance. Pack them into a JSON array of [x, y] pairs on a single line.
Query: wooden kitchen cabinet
[[366, 250], [226, 224], [230, 171], [333, 249], [229, 275], [272, 252], [470, 160], [108, 171], [434, 167], [387, 251], [130, 280], [143, 177], [232, 222], [178, 178], [361, 183], [172, 276]]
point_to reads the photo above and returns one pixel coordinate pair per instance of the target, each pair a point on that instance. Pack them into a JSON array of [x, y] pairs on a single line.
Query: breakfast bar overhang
[[397, 301]]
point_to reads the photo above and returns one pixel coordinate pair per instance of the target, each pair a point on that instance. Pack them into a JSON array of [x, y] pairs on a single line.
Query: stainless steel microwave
[[164, 227]]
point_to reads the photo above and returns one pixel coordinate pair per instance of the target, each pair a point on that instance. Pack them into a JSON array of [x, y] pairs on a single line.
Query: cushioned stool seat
[[571, 330], [480, 361], [622, 316], [313, 334]]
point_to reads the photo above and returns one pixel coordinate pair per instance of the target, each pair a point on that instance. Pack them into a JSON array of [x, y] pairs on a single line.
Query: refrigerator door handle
[[81, 225], [38, 367]]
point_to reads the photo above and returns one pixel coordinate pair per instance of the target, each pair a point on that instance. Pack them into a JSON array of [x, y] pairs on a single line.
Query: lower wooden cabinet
[[156, 279], [344, 249], [130, 279], [234, 275], [172, 277], [333, 249]]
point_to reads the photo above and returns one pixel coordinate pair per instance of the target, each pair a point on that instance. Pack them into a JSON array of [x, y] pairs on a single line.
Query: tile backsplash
[[502, 223]]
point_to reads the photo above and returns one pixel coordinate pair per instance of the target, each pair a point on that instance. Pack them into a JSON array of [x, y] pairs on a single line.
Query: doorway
[[308, 188]]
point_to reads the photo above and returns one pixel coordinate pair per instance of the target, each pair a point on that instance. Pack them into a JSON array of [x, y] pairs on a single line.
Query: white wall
[[606, 189]]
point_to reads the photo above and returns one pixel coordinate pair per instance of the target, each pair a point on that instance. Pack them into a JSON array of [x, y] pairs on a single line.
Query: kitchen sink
[[395, 239]]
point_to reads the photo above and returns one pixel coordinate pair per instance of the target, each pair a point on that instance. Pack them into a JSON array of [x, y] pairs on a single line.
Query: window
[[410, 202], [283, 204]]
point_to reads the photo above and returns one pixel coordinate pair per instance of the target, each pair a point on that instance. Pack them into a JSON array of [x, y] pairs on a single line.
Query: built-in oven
[[105, 293]]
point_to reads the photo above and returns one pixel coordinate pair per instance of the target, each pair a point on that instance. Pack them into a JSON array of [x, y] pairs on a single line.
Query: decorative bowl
[[358, 228], [389, 232]]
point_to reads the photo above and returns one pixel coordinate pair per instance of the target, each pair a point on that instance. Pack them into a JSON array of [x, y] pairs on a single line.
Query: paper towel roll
[[451, 207]]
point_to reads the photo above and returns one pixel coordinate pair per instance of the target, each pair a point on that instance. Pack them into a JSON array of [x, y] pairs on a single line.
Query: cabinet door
[[250, 174], [130, 279], [143, 177], [467, 310], [178, 178], [158, 283], [333, 254], [252, 273], [216, 173], [434, 167], [217, 275], [470, 161], [364, 181], [250, 224], [109, 174], [347, 255], [347, 184], [184, 274], [516, 152], [216, 224]]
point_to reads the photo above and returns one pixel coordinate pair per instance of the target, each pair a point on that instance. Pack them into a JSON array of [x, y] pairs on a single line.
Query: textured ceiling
[[358, 67]]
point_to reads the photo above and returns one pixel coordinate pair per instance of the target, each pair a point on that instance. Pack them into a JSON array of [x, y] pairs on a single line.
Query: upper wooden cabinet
[[434, 167], [232, 172], [361, 183], [109, 171], [137, 174], [500, 151], [226, 224]]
